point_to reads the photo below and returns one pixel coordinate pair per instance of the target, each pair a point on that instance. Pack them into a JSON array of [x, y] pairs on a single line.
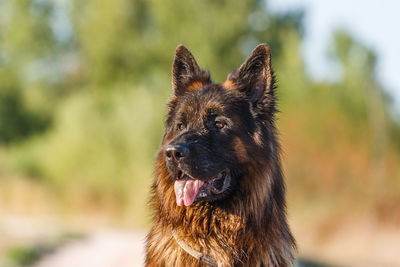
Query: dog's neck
[[207, 260]]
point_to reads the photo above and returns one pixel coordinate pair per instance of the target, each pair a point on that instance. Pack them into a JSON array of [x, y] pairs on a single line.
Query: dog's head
[[213, 131]]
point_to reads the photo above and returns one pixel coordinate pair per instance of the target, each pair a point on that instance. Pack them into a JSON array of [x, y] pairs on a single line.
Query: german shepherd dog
[[219, 195]]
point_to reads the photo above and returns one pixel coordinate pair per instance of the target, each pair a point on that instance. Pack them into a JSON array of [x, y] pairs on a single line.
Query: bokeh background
[[83, 87]]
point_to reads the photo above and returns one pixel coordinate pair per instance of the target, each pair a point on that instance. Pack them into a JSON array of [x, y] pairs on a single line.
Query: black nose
[[176, 151]]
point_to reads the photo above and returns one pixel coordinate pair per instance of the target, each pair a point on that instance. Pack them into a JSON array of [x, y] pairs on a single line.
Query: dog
[[219, 195]]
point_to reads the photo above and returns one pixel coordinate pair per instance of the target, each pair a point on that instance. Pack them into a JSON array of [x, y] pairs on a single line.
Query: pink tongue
[[186, 191]]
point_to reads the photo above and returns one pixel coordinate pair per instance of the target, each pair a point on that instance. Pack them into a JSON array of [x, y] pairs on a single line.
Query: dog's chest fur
[[235, 136], [229, 243]]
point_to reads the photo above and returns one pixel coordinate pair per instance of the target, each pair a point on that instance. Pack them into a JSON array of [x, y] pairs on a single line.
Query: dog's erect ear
[[255, 79], [186, 74]]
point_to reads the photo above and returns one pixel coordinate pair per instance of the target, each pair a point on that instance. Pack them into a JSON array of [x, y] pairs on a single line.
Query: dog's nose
[[176, 151]]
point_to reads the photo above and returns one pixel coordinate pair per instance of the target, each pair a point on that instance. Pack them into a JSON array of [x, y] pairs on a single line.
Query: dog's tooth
[[227, 182], [212, 189]]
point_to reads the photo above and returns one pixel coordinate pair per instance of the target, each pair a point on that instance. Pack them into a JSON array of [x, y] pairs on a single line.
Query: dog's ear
[[186, 74], [255, 79]]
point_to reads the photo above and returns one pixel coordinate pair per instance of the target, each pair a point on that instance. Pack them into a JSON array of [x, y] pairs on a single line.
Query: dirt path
[[362, 245], [345, 243], [101, 249]]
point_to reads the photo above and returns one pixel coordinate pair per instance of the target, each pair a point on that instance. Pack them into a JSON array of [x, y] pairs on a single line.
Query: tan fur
[[258, 138], [228, 84], [247, 226], [195, 85], [240, 150]]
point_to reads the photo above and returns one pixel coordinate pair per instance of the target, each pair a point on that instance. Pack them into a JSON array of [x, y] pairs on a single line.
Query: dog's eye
[[219, 124], [181, 126]]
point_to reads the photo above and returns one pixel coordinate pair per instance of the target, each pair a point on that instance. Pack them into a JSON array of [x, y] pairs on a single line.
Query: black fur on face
[[219, 183], [210, 127]]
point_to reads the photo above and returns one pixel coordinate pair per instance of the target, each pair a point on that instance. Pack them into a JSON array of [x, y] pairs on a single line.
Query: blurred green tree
[[83, 86]]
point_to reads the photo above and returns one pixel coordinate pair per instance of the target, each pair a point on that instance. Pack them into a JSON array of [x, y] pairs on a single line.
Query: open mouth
[[189, 189]]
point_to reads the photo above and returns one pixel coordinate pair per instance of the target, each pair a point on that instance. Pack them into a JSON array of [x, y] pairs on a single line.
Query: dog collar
[[209, 261]]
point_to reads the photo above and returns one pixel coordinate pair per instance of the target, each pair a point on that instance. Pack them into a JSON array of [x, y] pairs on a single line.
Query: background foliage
[[83, 86]]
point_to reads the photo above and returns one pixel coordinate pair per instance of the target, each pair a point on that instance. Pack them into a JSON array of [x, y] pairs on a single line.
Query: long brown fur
[[250, 227]]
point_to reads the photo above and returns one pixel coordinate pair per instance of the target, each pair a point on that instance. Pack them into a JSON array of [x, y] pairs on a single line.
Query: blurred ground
[[46, 242], [348, 247], [353, 243], [361, 242], [107, 248]]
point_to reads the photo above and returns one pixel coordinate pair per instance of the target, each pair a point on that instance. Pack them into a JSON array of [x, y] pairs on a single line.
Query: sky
[[375, 23]]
